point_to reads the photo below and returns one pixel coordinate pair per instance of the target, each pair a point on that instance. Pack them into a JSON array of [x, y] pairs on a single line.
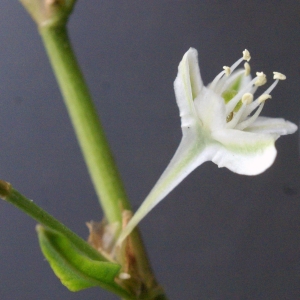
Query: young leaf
[[75, 270]]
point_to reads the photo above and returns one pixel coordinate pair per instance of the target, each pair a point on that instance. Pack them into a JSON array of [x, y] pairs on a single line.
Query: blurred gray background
[[216, 236]]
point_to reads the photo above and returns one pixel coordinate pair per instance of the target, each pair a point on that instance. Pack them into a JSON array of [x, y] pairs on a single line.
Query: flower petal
[[210, 108], [188, 85], [244, 153], [272, 125]]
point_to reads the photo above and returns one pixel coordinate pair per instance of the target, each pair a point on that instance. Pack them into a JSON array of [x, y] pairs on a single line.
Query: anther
[[247, 98], [261, 79], [263, 98], [246, 55], [247, 69], [227, 70], [229, 117], [279, 76]]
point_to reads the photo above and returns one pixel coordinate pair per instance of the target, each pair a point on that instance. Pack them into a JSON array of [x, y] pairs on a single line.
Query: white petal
[[244, 152], [188, 85], [210, 108], [272, 125], [194, 71]]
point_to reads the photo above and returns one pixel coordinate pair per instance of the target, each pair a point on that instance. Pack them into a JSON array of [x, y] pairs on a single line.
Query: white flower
[[220, 123]]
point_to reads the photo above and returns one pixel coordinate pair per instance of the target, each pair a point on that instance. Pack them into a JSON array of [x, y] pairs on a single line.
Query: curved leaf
[[75, 270]]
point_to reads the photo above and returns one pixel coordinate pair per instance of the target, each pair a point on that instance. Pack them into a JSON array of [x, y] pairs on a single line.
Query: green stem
[[89, 132], [91, 137], [51, 18], [8, 193], [189, 155]]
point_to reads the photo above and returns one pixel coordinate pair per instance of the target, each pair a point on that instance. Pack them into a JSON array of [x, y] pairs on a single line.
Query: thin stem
[[8, 193], [89, 132], [189, 155], [91, 137]]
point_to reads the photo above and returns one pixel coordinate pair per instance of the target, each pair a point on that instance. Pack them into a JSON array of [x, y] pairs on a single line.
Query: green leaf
[[75, 270]]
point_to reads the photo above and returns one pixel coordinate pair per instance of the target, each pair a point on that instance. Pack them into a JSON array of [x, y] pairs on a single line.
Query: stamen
[[247, 98], [215, 81], [261, 79], [236, 117], [253, 89], [249, 121], [233, 102], [271, 87], [226, 82], [246, 55], [247, 69], [233, 67], [227, 70], [255, 103], [279, 76], [263, 98]]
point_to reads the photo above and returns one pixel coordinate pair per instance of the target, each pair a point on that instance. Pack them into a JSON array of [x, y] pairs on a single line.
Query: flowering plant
[[220, 123]]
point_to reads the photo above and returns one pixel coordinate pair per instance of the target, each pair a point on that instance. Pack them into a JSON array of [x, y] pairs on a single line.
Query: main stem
[[92, 140], [88, 129]]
